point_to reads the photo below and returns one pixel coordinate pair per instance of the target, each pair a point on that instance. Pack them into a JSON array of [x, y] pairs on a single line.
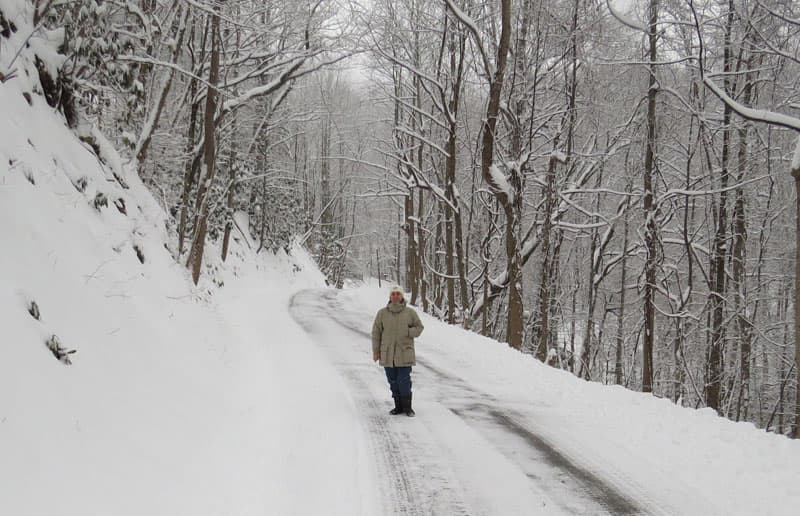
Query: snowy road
[[466, 452]]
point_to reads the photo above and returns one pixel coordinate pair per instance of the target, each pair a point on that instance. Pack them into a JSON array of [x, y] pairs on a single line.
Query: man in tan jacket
[[393, 333]]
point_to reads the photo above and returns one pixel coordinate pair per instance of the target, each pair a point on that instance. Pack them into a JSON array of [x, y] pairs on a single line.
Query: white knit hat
[[398, 290]]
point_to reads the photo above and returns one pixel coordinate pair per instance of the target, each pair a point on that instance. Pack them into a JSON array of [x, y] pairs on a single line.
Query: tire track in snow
[[404, 492], [387, 450], [604, 491], [611, 491]]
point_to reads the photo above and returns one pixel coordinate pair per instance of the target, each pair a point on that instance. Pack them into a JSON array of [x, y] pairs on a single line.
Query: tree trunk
[[515, 327], [378, 266], [195, 259], [232, 166], [411, 247], [423, 283], [454, 235], [796, 175], [328, 227], [739, 270], [449, 246], [716, 358], [585, 369], [592, 283], [649, 208], [190, 170], [398, 262], [547, 262], [437, 242], [783, 314], [618, 365], [461, 269], [457, 70]]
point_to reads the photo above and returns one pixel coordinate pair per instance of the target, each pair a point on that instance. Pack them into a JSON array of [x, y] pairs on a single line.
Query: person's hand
[[376, 356]]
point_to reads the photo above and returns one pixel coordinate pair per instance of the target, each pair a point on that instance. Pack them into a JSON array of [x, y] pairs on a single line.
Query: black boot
[[398, 407], [406, 404]]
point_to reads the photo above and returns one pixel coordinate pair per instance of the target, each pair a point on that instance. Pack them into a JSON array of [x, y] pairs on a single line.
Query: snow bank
[[683, 458], [179, 399]]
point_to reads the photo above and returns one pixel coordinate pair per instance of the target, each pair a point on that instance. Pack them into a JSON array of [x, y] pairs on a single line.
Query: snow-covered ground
[[179, 399], [254, 392], [500, 433]]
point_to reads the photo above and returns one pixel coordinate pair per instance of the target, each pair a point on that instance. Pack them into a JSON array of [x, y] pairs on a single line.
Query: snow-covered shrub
[[97, 35], [32, 53]]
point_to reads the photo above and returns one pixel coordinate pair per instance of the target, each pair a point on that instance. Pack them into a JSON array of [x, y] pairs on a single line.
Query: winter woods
[[607, 185], [620, 205]]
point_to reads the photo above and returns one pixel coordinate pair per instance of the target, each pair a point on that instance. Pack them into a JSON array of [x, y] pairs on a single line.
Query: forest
[[610, 186]]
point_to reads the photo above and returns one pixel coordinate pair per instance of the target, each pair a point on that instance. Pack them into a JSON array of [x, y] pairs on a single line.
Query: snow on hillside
[[176, 400]]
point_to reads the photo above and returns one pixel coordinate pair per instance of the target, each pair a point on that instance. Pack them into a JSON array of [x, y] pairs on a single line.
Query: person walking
[[393, 332]]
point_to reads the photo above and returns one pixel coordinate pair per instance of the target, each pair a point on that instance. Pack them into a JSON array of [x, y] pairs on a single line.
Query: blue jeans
[[399, 381]]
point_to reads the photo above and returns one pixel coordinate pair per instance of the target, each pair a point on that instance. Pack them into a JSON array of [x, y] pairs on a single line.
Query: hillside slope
[[176, 400]]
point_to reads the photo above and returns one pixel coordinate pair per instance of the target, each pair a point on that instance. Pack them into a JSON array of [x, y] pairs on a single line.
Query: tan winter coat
[[393, 333]]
